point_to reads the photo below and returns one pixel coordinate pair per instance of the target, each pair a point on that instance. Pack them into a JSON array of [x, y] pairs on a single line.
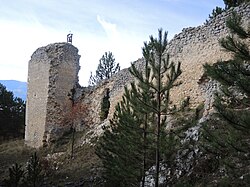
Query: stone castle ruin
[[53, 88], [53, 73]]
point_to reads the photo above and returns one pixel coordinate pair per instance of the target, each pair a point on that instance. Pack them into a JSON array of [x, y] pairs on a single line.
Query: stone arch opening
[[105, 105]]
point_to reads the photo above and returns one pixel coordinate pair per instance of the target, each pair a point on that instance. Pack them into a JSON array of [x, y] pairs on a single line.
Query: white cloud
[[18, 41], [125, 46], [110, 28], [38, 23]]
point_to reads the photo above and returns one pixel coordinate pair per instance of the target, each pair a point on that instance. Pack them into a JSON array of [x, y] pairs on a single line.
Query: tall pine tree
[[227, 135], [140, 119], [125, 145], [107, 67], [163, 75], [120, 148]]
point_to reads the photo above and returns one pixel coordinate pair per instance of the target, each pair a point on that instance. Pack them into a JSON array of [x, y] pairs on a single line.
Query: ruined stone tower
[[52, 77]]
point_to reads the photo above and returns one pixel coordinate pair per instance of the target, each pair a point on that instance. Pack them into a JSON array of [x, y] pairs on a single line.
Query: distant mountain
[[18, 88]]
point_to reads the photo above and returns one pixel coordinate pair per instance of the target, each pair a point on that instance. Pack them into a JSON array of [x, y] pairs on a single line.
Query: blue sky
[[97, 26]]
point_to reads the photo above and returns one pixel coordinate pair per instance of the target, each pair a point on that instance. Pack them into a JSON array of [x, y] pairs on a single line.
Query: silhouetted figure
[[69, 38]]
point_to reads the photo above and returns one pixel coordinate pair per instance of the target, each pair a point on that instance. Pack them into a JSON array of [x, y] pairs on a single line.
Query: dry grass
[[61, 168], [83, 165], [12, 152]]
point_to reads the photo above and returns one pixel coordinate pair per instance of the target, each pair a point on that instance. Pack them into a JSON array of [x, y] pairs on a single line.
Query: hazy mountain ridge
[[18, 88]]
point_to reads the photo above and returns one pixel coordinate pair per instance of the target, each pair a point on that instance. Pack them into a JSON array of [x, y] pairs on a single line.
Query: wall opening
[[105, 105]]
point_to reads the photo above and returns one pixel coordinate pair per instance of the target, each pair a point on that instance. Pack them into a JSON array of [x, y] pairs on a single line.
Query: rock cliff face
[[53, 73]]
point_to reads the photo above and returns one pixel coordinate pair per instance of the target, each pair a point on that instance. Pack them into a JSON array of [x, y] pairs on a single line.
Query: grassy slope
[[61, 168], [12, 152]]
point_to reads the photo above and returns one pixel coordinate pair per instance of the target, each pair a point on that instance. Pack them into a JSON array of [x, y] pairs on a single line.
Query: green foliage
[[16, 173], [12, 114], [140, 94], [119, 148], [227, 134], [57, 170], [215, 12], [34, 176], [163, 75], [105, 104], [234, 3], [137, 129], [228, 4], [106, 69]]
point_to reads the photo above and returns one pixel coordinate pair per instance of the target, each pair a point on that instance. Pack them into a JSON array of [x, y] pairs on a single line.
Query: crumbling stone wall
[[193, 47], [92, 96], [52, 74]]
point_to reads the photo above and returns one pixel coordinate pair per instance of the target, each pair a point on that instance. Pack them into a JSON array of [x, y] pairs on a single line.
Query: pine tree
[[227, 134], [228, 4], [106, 69], [233, 3], [16, 173], [132, 123], [140, 119], [34, 176], [119, 148], [163, 75], [141, 93], [12, 114], [216, 11]]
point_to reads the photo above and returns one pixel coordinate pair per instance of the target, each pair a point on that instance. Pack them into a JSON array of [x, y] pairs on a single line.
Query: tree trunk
[[144, 149], [157, 156]]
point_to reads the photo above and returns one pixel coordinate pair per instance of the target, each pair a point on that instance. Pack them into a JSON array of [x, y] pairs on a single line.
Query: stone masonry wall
[[36, 99], [53, 73], [193, 47]]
